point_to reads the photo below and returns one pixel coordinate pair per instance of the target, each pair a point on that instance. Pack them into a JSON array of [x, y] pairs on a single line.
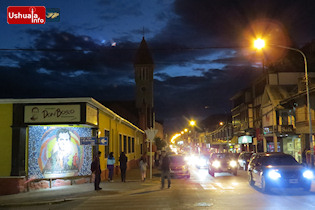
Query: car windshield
[[177, 159], [278, 160], [222, 156], [247, 155]]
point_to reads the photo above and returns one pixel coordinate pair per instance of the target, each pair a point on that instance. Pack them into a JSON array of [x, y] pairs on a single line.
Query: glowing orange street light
[[259, 43], [221, 123], [192, 123]]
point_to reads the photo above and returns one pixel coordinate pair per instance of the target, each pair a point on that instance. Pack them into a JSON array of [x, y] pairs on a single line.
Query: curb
[[151, 184]]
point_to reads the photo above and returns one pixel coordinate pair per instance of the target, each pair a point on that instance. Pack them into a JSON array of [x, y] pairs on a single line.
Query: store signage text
[[52, 113]]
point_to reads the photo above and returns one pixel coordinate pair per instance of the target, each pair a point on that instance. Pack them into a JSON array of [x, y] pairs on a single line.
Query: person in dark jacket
[[165, 169], [123, 166], [96, 169]]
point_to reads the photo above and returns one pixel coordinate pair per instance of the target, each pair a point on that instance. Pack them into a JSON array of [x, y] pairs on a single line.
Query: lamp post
[[259, 44], [192, 123]]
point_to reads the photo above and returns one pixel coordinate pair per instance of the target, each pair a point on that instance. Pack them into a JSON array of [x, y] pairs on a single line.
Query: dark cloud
[[224, 20]]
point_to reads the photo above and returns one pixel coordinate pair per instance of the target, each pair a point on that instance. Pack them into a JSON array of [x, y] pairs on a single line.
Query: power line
[[117, 48]]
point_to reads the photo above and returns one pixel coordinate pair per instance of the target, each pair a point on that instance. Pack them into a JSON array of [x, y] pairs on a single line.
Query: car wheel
[[250, 180], [235, 173], [264, 185], [188, 176], [211, 173]]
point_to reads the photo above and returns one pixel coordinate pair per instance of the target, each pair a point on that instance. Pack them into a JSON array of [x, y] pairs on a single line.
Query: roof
[[143, 54], [88, 100]]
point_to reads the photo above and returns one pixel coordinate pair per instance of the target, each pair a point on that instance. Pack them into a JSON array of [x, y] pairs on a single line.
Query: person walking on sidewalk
[[96, 169], [143, 168], [110, 166], [165, 169], [123, 166]]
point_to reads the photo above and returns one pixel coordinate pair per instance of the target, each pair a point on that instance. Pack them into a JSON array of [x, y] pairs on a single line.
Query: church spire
[[143, 54]]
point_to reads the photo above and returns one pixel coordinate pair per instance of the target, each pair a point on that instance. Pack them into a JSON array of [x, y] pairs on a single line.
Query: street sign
[[88, 140], [151, 133], [104, 141]]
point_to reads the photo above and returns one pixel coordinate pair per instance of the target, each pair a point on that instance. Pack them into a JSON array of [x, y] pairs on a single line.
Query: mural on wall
[[56, 152]]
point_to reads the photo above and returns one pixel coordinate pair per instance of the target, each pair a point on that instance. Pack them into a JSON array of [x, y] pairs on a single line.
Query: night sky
[[200, 49]]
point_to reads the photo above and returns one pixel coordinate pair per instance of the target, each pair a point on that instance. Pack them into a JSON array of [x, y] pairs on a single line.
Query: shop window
[[129, 144], [125, 144], [133, 144], [107, 147]]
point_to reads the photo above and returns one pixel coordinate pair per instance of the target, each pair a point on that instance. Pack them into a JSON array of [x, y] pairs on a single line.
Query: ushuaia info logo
[[26, 15]]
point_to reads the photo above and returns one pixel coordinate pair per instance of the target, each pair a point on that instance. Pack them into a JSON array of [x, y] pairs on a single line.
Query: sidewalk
[[60, 194]]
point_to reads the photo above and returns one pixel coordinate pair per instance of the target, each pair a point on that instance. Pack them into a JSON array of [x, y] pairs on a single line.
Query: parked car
[[278, 170], [179, 167], [243, 159], [222, 162]]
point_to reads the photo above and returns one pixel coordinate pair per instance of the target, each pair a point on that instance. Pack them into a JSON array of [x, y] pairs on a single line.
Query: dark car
[[278, 170], [243, 159], [222, 162], [179, 166]]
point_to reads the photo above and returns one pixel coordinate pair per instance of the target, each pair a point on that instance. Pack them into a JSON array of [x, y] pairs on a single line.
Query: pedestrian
[[110, 166], [96, 169], [123, 166], [143, 168], [157, 158], [165, 169]]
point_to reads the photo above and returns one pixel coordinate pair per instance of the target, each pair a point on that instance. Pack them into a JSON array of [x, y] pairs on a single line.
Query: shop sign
[[245, 140], [268, 130], [285, 128], [52, 113], [91, 115]]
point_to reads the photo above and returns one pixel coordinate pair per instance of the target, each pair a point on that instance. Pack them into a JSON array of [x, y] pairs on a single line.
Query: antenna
[[143, 31]]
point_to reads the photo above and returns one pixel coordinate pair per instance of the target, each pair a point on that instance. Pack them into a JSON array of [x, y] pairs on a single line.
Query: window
[[129, 144], [107, 147], [133, 145], [125, 144], [120, 143]]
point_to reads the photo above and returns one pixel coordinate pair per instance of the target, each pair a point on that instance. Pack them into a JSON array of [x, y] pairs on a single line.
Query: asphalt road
[[201, 191]]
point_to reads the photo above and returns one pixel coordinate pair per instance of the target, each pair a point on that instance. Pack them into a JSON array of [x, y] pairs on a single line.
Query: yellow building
[[50, 139]]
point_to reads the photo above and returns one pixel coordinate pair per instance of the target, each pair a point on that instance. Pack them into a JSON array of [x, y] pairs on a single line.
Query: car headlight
[[216, 164], [308, 174], [273, 174], [233, 163]]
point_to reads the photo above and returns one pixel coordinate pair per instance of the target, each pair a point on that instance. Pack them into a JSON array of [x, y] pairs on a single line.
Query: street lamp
[[259, 44]]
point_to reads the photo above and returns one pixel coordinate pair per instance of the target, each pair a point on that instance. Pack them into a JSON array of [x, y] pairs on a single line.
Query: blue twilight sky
[[198, 48]]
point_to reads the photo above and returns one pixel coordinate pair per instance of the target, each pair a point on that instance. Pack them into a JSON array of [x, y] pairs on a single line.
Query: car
[[202, 161], [178, 166], [278, 170], [222, 162], [243, 160]]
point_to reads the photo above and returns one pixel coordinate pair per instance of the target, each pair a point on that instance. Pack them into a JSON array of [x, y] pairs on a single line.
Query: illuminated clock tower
[[144, 68]]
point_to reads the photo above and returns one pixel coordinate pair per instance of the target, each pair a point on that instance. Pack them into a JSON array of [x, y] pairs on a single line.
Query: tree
[[159, 143]]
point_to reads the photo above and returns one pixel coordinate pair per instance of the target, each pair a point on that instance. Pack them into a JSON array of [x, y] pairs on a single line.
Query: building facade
[[45, 141]]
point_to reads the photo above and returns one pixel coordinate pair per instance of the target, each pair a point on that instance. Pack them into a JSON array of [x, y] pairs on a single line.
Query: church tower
[[144, 67]]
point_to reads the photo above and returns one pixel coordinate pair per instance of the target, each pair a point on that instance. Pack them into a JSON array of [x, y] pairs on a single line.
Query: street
[[201, 191]]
